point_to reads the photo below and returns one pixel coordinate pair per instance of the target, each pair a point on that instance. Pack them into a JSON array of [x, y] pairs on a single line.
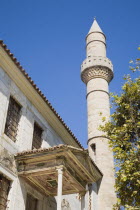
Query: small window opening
[[37, 136], [12, 120], [93, 147]]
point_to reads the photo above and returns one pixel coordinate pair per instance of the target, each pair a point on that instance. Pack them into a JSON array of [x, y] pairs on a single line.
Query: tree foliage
[[124, 133]]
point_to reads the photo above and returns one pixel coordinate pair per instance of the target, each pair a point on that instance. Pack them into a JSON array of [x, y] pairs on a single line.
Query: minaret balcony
[[96, 66], [96, 61]]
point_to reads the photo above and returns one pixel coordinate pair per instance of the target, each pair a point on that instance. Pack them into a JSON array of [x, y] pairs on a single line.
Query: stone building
[[43, 166]]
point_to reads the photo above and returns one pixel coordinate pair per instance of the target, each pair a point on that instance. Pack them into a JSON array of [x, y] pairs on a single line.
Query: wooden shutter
[[4, 190], [37, 136], [31, 202], [12, 120]]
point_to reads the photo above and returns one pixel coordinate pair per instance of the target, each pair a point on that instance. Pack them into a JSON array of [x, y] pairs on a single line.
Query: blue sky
[[48, 38]]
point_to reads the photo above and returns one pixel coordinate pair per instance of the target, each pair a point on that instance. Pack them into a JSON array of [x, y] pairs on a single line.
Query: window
[[12, 120], [93, 147], [37, 136], [4, 190], [31, 202]]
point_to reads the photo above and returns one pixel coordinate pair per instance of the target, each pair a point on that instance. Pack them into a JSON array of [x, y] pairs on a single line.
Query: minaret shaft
[[97, 105], [96, 44], [97, 72]]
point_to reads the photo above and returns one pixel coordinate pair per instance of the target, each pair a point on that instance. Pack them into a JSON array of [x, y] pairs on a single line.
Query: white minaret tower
[[96, 73]]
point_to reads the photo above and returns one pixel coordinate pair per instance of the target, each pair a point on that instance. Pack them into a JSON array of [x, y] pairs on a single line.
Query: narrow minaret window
[[96, 73], [93, 147]]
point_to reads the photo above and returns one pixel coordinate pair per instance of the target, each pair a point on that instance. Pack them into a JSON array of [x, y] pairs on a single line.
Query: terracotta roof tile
[[60, 146], [38, 90]]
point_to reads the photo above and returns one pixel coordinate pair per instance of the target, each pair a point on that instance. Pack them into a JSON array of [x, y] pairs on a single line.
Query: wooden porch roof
[[39, 168]]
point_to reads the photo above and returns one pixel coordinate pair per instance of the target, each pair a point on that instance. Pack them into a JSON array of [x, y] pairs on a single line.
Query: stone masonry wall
[[19, 189]]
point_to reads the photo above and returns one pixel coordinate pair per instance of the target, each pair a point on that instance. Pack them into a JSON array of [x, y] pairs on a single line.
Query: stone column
[[83, 203], [59, 188]]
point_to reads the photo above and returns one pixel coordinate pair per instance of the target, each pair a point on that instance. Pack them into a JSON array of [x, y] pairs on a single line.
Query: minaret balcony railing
[[96, 67], [92, 61]]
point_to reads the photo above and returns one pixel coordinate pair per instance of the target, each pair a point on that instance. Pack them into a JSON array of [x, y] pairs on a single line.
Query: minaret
[[96, 73]]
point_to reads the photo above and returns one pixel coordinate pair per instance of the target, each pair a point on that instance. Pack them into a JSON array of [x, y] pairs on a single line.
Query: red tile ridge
[[60, 146]]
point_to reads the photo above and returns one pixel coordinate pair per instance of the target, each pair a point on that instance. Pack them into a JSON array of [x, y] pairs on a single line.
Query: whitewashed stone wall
[[29, 115], [19, 189]]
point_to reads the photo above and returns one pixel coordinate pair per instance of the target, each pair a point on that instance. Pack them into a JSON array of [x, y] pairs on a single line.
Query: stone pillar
[[59, 188], [96, 73], [85, 199], [83, 203], [95, 196]]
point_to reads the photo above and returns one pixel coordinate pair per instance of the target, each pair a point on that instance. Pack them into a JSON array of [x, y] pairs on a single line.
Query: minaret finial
[[94, 17]]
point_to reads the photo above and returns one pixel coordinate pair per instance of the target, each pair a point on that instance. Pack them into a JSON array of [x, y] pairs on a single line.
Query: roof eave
[[40, 94]]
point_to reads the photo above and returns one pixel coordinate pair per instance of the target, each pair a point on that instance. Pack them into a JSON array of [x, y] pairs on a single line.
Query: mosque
[[43, 166]]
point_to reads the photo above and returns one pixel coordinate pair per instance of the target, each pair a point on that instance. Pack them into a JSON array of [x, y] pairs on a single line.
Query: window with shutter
[[12, 120], [31, 202], [37, 136], [4, 190]]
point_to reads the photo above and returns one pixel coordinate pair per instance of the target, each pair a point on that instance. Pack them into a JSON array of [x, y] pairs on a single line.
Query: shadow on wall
[[50, 203], [44, 202]]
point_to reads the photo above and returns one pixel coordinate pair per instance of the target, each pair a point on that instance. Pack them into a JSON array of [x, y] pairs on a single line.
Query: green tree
[[123, 132]]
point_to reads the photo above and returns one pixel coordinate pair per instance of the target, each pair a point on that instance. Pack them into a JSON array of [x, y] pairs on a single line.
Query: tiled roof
[[17, 63], [60, 146]]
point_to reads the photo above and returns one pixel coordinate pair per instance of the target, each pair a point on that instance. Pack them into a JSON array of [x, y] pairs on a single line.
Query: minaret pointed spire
[[95, 27], [96, 41]]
